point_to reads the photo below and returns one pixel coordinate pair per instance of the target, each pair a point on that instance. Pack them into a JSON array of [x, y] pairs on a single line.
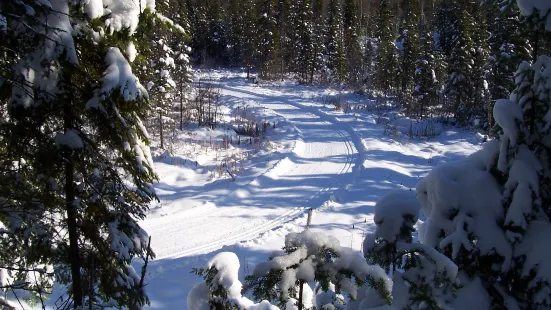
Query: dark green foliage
[[386, 61], [425, 94], [410, 42]]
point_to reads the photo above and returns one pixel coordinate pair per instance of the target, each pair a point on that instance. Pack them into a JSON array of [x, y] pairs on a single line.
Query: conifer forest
[[275, 154]]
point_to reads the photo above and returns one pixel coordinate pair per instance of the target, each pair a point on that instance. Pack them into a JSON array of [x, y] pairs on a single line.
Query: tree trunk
[[300, 291], [91, 288], [281, 67], [456, 108], [536, 46], [313, 65], [74, 256], [161, 129], [181, 106]]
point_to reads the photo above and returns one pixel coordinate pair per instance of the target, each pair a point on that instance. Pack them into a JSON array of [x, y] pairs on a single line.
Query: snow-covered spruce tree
[[445, 27], [425, 92], [369, 57], [489, 213], [234, 22], [334, 43], [163, 65], [183, 77], [27, 234], [304, 44], [222, 288], [508, 47], [177, 39], [410, 45], [423, 278], [352, 49], [479, 74], [77, 169], [309, 257], [265, 26], [459, 84], [181, 73], [279, 54], [318, 30], [249, 36], [158, 56], [384, 67], [523, 164]]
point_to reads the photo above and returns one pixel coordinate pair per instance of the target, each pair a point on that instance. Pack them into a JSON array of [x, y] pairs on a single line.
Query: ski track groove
[[281, 220]]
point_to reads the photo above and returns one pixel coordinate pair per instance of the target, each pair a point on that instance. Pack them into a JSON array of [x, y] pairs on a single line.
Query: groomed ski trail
[[322, 161]]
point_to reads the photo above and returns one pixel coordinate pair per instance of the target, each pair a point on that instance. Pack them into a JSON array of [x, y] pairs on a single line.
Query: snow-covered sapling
[[421, 275], [310, 257]]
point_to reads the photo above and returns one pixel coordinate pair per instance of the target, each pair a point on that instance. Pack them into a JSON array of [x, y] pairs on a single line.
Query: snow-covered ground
[[337, 163]]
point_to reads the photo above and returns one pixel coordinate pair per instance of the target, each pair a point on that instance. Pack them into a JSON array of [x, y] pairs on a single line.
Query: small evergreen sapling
[[310, 257], [422, 276]]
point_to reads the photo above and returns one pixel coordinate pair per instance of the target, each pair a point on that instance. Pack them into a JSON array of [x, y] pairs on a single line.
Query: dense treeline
[[435, 57]]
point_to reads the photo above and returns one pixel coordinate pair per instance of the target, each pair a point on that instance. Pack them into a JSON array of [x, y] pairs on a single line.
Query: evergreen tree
[[479, 73], [494, 224], [351, 43], [78, 185], [385, 65], [409, 40], [249, 35], [304, 44], [282, 279], [459, 86], [334, 41], [423, 277], [425, 92], [318, 30], [265, 27], [446, 25], [508, 47], [283, 50], [235, 36], [369, 58], [161, 87]]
